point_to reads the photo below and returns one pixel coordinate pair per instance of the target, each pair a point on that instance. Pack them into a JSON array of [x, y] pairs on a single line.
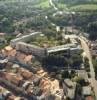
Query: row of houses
[[37, 84], [7, 95]]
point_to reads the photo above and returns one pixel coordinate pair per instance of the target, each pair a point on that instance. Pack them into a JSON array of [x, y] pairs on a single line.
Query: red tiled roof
[[2, 34], [25, 73], [89, 98], [28, 58], [11, 77]]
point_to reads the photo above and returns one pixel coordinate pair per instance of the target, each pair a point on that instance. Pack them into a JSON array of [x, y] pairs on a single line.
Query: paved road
[[52, 4], [85, 48], [88, 54]]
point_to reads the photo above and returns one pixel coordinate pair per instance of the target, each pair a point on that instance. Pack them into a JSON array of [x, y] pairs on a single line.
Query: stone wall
[[32, 49], [24, 38]]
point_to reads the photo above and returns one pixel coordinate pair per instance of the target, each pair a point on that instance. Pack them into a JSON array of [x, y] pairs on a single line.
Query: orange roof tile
[[12, 53], [26, 74], [8, 48], [89, 98], [12, 78], [28, 58], [21, 56]]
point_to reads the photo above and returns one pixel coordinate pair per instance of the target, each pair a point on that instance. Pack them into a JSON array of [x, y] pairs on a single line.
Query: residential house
[[86, 91], [69, 88], [25, 73], [89, 98], [13, 78]]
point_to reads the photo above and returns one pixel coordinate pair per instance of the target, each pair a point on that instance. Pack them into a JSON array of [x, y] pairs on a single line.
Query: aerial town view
[[48, 49]]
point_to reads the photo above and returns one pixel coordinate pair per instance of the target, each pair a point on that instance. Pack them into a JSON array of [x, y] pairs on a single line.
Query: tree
[[95, 67], [53, 75], [86, 64], [49, 33], [37, 91], [92, 28], [65, 74], [79, 89], [76, 60], [81, 81]]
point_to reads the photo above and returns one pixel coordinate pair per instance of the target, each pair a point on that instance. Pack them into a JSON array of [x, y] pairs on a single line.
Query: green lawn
[[84, 7], [78, 7], [48, 42], [43, 4], [61, 6]]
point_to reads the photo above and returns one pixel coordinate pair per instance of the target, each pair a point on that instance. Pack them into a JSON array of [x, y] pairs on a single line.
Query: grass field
[[78, 7], [61, 6], [43, 4], [84, 7], [38, 4]]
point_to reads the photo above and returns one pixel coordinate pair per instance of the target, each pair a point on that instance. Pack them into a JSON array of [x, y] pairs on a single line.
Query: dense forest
[[75, 1], [14, 16], [24, 17]]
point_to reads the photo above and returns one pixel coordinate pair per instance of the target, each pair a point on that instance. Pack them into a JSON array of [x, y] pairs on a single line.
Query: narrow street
[[87, 51]]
